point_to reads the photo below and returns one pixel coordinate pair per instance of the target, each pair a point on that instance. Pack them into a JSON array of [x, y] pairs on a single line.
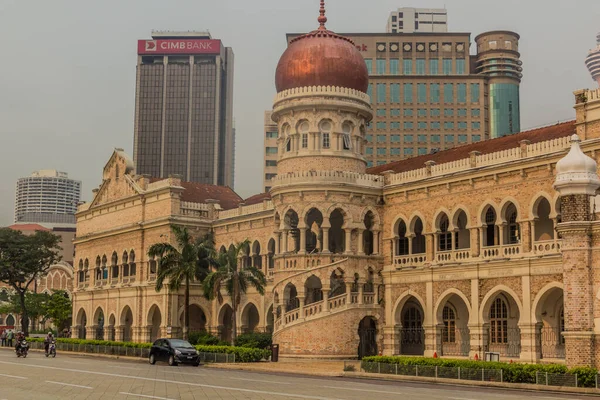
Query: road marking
[[12, 376], [362, 390], [258, 380], [70, 384], [141, 378], [146, 396], [120, 366]]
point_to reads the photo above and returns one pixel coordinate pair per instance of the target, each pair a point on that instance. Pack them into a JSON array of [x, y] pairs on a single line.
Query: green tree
[[234, 279], [35, 303], [189, 260], [24, 258], [59, 309]]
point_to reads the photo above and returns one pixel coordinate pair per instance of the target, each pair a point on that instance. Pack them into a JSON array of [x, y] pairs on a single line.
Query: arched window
[[132, 265], [303, 129], [86, 267], [402, 244], [114, 267], [449, 318], [347, 131], [81, 272], [152, 266], [512, 234], [418, 241], [490, 227], [499, 321], [326, 127], [543, 225], [444, 236]]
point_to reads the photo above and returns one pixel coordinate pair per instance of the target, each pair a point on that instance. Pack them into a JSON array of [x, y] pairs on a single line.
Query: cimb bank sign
[[179, 46]]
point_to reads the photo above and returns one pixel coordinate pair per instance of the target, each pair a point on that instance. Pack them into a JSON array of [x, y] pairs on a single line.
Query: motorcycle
[[51, 349], [23, 349]]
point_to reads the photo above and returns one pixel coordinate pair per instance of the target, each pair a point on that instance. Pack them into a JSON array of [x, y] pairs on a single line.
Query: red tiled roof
[[29, 227], [487, 146], [257, 198], [201, 192]]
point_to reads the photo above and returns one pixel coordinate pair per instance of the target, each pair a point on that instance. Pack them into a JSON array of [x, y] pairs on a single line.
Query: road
[[85, 377]]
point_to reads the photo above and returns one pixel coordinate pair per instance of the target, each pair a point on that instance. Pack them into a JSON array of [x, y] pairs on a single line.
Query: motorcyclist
[[20, 338], [47, 341]]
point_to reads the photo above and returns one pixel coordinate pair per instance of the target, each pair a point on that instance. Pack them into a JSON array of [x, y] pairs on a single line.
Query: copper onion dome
[[321, 58]]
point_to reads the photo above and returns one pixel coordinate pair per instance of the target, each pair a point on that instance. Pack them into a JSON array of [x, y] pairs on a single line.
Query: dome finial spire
[[322, 18]]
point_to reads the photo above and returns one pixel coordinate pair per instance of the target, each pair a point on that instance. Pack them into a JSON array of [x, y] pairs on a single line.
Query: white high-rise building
[[411, 20], [47, 196]]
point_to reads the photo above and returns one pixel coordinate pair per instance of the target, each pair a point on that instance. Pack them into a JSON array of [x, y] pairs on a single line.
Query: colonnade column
[[348, 245], [361, 291], [361, 251], [277, 242], [303, 230], [325, 290], [284, 239], [376, 235], [325, 226]]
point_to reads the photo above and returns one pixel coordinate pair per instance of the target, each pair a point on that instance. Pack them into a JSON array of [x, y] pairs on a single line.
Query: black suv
[[174, 351]]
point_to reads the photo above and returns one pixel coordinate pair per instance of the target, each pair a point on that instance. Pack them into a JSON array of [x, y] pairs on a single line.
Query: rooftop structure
[[592, 61], [419, 20]]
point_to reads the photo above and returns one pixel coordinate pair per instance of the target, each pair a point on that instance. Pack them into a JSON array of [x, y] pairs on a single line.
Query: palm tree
[[189, 261], [234, 279]]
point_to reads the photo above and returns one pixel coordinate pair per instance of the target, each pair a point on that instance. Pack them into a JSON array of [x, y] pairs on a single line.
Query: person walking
[[9, 338], [3, 338]]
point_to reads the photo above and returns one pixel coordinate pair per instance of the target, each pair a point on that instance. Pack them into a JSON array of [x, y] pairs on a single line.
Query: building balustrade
[[502, 251], [546, 247], [453, 255], [411, 260]]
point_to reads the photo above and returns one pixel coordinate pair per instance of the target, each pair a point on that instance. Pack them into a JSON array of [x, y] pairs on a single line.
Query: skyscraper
[[270, 149], [184, 108], [592, 61], [417, 20], [47, 196]]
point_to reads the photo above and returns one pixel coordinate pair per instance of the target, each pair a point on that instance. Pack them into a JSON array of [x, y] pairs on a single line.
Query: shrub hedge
[[242, 354], [205, 338], [514, 373], [255, 340]]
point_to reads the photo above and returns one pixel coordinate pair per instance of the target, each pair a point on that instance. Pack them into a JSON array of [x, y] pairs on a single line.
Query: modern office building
[[184, 108], [270, 149], [417, 20], [592, 61], [429, 94], [47, 196]]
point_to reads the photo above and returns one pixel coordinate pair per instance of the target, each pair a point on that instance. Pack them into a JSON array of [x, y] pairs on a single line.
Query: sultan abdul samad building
[[487, 247]]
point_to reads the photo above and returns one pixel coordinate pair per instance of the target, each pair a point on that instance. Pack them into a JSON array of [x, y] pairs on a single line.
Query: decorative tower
[[327, 225], [576, 182]]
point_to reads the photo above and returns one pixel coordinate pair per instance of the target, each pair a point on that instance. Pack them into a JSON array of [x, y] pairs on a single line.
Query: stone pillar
[[376, 235], [429, 246], [303, 231], [389, 340], [475, 241], [349, 292], [360, 247], [361, 291], [348, 243], [531, 335], [325, 290], [301, 300], [477, 340], [410, 243], [119, 331], [284, 239], [75, 329], [90, 332], [325, 226], [277, 242], [500, 240], [394, 247], [526, 235]]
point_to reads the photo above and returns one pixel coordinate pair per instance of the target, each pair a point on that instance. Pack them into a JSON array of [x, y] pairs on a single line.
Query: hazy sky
[[67, 68]]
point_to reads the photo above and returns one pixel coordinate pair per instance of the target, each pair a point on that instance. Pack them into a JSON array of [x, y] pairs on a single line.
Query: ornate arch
[[346, 213], [151, 310], [401, 301], [487, 300], [483, 209], [540, 297], [410, 228], [396, 222], [443, 299], [437, 216], [365, 210], [455, 214], [535, 202], [123, 314], [504, 206]]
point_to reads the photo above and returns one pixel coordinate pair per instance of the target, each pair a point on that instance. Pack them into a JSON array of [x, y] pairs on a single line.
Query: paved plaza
[[75, 377]]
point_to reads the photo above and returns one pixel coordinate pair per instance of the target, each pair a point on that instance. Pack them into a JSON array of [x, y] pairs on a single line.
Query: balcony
[[503, 251], [410, 261], [546, 247], [459, 255]]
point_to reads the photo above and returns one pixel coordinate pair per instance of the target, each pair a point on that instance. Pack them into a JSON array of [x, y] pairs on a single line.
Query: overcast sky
[[67, 68]]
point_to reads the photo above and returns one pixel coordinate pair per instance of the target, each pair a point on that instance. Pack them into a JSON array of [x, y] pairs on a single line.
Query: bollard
[[378, 368], [576, 380], [596, 375], [482, 375], [416, 370], [546, 378], [436, 373], [458, 372], [501, 375]]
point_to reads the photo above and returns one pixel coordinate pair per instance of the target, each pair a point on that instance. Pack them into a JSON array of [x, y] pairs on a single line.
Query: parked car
[[174, 351]]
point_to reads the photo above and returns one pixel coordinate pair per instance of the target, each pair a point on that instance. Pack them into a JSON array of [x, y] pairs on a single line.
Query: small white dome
[[576, 173]]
